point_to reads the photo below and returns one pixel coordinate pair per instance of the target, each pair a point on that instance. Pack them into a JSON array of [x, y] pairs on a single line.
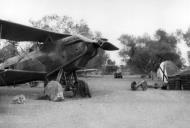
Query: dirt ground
[[113, 105]]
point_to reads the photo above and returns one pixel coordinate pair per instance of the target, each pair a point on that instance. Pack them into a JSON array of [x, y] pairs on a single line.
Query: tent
[[166, 68]]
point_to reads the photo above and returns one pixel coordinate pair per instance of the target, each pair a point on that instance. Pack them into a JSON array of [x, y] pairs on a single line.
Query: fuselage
[[70, 53]]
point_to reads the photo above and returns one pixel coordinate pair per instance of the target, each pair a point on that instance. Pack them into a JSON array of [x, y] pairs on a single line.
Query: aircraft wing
[[86, 70], [11, 77], [18, 32]]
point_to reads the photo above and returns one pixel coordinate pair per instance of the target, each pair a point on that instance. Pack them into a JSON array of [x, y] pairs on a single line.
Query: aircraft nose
[[104, 44], [100, 42], [107, 46]]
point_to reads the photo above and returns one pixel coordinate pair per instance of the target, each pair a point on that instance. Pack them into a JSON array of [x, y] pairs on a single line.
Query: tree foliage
[[143, 54], [8, 51], [62, 24], [186, 36], [110, 62]]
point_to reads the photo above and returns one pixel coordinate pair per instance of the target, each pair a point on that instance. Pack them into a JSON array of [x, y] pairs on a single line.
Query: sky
[[111, 17]]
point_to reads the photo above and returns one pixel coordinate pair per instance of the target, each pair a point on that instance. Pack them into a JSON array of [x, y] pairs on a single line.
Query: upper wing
[[18, 32]]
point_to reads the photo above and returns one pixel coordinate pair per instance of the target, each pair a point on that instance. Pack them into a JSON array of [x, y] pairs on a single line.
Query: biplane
[[58, 58]]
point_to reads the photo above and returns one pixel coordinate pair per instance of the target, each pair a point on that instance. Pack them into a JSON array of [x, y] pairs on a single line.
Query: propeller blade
[[101, 42], [108, 46]]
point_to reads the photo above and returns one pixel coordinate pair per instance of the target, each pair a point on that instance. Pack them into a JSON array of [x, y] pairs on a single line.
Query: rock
[[54, 91], [19, 99]]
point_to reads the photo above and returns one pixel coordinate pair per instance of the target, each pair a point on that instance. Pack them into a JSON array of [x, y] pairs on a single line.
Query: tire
[[133, 86], [83, 89], [81, 86], [75, 90]]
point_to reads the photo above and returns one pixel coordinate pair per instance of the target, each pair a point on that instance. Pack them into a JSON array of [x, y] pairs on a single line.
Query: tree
[[62, 24], [110, 62], [143, 54], [128, 42], [186, 37], [8, 51]]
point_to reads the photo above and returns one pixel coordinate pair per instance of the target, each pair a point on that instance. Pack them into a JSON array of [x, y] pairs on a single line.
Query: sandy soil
[[113, 105]]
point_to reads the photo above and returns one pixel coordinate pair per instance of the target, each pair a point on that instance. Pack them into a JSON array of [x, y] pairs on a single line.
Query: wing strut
[[49, 38], [59, 75]]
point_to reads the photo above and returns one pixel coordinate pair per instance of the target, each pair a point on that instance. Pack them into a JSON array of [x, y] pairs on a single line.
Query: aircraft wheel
[[82, 89], [144, 88], [133, 85], [75, 89], [144, 85], [165, 87]]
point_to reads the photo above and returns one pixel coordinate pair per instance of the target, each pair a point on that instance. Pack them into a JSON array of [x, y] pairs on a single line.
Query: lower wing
[[12, 77]]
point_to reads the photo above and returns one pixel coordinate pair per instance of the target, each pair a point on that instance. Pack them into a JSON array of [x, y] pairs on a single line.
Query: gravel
[[112, 105]]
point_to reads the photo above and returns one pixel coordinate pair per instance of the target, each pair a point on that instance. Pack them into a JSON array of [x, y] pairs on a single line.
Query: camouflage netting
[[54, 91]]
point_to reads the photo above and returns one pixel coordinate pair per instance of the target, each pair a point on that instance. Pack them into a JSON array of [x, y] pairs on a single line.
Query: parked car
[[118, 75]]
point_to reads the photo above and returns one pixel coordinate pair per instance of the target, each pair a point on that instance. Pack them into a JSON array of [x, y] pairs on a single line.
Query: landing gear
[[82, 89], [70, 82]]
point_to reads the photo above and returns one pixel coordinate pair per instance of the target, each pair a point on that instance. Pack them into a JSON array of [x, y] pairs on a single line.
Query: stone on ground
[[19, 99], [54, 91]]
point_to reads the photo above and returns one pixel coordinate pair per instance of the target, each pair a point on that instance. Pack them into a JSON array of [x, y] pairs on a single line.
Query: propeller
[[104, 44], [100, 42]]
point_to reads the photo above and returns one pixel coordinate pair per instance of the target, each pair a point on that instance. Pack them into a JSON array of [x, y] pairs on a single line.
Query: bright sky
[[111, 17]]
